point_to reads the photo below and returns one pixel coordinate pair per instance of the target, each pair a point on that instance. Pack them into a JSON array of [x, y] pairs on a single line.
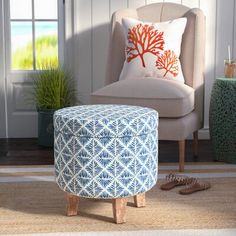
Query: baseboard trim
[[202, 134]]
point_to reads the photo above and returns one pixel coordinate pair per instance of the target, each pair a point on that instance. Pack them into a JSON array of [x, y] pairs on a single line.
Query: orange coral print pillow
[[143, 38], [153, 49], [168, 62]]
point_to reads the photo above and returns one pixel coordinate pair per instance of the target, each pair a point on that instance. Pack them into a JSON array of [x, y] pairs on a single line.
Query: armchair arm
[[193, 57]]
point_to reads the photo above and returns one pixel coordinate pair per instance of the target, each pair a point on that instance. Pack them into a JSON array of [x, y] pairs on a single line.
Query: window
[[34, 33]]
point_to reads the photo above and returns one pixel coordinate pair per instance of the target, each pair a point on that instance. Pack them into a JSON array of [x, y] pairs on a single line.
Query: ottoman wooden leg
[[139, 200], [72, 205], [119, 210]]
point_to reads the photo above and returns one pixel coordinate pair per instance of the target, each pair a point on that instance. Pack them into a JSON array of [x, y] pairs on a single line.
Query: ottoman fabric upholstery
[[106, 151]]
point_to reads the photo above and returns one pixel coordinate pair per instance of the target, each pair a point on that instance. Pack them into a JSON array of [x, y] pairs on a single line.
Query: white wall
[[87, 33], [91, 29]]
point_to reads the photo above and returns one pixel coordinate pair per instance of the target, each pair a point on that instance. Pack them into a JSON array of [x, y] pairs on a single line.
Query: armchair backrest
[[193, 41]]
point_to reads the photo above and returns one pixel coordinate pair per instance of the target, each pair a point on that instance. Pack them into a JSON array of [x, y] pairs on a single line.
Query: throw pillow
[[153, 49]]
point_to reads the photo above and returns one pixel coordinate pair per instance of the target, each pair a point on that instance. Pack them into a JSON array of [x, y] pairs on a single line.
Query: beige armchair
[[180, 106]]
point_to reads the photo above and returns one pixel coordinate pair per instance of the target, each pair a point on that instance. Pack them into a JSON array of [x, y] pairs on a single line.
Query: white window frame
[[61, 38], [3, 105]]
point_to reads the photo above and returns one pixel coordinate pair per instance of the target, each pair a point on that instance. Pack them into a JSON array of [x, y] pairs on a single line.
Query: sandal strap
[[195, 182], [180, 179]]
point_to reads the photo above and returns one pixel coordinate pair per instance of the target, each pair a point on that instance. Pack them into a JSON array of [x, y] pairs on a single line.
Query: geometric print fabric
[[106, 151]]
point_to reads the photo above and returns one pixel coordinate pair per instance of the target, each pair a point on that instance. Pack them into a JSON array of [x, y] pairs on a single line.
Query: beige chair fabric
[[169, 98], [182, 113]]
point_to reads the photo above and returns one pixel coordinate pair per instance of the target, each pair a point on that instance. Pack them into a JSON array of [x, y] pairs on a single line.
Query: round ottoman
[[106, 152]]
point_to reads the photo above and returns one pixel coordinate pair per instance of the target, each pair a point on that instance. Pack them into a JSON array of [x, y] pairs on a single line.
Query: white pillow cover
[[153, 49]]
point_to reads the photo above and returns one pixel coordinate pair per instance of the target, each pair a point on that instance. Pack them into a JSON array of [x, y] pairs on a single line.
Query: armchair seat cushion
[[170, 98]]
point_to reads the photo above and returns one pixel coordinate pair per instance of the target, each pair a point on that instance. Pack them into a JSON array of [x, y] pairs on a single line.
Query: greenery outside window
[[34, 33]]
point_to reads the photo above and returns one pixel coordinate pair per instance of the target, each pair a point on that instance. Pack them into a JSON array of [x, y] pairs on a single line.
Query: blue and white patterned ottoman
[[105, 152]]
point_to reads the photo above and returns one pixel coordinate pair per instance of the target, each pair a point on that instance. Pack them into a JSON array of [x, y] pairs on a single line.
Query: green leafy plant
[[53, 88]]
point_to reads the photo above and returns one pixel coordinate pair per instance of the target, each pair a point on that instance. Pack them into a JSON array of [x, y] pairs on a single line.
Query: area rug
[[30, 202]]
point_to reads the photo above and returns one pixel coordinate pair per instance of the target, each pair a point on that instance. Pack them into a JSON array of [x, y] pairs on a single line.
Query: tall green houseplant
[[53, 88]]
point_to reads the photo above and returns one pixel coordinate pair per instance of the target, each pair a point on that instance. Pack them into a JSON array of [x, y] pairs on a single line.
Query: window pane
[[45, 9], [21, 9], [21, 46], [46, 43]]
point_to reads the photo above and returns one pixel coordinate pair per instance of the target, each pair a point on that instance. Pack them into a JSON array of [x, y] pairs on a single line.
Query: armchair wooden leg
[[119, 210], [181, 155], [195, 144], [139, 200], [72, 205]]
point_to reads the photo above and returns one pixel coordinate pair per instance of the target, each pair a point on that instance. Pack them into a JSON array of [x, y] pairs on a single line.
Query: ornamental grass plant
[[53, 88]]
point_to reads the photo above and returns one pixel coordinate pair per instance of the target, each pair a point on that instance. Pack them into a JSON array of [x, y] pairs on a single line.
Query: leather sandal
[[195, 187], [174, 180]]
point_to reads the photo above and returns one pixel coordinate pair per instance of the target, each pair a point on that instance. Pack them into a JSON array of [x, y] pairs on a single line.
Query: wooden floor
[[28, 152]]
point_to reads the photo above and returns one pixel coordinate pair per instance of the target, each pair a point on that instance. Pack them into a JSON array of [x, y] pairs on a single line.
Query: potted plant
[[53, 89]]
